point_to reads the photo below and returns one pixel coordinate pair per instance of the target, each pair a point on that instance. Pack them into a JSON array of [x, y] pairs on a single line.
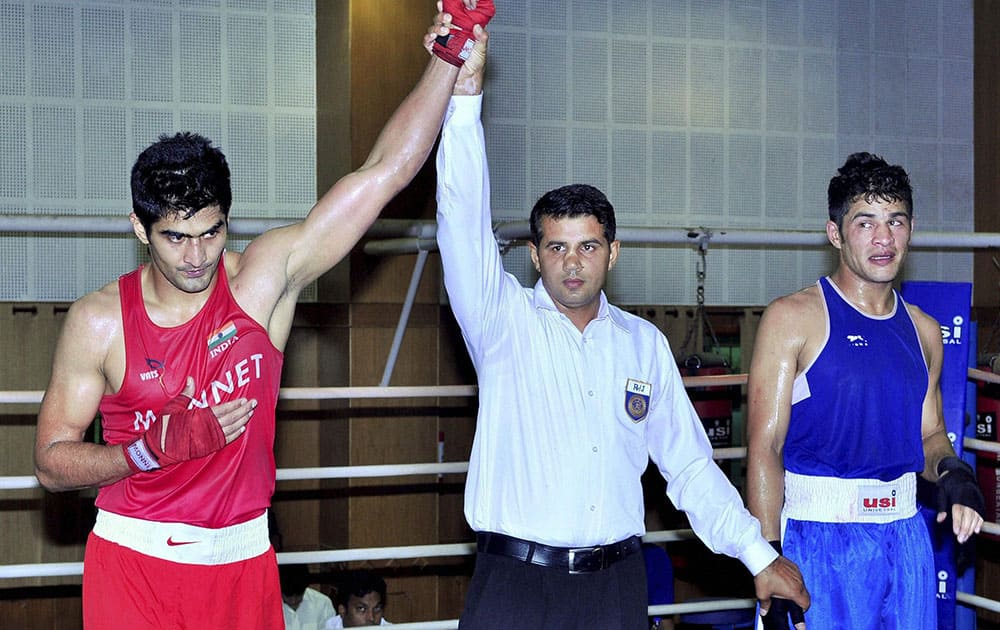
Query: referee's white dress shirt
[[567, 420]]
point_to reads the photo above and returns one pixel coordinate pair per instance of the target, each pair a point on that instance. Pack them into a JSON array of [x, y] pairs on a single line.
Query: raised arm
[[342, 216], [473, 268], [277, 265], [302, 252], [958, 490]]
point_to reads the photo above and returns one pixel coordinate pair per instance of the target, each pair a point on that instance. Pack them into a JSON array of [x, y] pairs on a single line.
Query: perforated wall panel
[[85, 86], [727, 114], [686, 112]]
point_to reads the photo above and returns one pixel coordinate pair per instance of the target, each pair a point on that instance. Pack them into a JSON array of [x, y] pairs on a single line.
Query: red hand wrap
[[456, 46], [180, 434]]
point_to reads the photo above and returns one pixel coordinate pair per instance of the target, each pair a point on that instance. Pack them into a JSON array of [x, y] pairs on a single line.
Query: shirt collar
[[542, 300]]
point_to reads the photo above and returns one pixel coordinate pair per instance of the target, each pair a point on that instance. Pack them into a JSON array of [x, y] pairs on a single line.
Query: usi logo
[[882, 503], [877, 500], [952, 335]]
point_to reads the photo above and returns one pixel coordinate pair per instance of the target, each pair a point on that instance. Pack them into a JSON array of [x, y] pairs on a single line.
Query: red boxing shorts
[[125, 589]]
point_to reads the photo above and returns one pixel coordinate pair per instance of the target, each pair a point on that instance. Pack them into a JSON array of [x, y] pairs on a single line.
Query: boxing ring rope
[[396, 236], [401, 236], [64, 569], [509, 231]]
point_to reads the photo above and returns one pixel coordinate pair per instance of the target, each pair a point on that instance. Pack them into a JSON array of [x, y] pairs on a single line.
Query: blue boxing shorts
[[864, 552]]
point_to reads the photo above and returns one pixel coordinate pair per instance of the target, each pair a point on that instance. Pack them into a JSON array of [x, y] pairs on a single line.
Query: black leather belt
[[571, 559]]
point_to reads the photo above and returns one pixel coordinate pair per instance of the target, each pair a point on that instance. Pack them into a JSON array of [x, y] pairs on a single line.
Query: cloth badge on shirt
[[637, 395], [222, 334]]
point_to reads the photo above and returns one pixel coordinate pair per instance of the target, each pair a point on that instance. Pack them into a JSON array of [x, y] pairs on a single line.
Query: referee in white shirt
[[575, 396]]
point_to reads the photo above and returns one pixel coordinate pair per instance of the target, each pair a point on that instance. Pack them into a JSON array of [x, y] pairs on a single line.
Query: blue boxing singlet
[[856, 409]]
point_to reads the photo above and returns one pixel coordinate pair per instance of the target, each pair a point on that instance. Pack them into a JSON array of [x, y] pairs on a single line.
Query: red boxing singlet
[[230, 356]]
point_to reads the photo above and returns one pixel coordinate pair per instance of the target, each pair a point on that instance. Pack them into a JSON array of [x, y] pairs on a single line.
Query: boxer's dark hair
[[574, 200], [869, 177], [179, 174]]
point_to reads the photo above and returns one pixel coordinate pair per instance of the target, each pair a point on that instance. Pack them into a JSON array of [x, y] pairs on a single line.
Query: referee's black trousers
[[509, 594]]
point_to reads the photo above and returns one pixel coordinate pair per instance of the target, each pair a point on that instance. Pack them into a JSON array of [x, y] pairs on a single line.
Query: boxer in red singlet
[[182, 358]]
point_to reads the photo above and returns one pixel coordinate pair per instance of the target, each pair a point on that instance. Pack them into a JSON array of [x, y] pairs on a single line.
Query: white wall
[[730, 113], [85, 86], [718, 113]]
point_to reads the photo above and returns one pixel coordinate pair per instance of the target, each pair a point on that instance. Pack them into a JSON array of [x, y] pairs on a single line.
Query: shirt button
[[590, 393], [593, 507], [595, 449]]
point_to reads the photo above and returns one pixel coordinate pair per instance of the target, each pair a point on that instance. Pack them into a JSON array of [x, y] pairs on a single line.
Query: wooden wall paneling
[[416, 363], [411, 598], [316, 355], [749, 323], [387, 59], [28, 333], [37, 526], [457, 424], [389, 511], [334, 347], [986, 290], [32, 609], [986, 95], [988, 579], [386, 279], [22, 541], [17, 446], [396, 510], [297, 445], [333, 121]]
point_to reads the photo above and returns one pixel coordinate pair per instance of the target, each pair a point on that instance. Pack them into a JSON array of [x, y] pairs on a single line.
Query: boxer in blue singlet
[[844, 412]]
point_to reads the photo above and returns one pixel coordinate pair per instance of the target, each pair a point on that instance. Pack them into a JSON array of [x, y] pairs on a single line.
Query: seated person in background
[[304, 608], [360, 601]]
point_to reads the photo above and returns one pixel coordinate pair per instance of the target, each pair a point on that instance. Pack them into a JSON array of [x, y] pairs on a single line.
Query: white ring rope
[[26, 482], [977, 601], [62, 569], [429, 391], [330, 555], [376, 470]]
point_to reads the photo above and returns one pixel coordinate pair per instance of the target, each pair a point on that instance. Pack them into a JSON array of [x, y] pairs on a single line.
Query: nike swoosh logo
[[174, 543]]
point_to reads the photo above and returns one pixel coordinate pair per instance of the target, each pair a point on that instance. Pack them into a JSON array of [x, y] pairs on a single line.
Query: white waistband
[[187, 544], [837, 500]]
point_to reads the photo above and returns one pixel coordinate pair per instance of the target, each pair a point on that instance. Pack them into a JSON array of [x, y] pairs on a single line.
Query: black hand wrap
[[956, 485], [781, 609]]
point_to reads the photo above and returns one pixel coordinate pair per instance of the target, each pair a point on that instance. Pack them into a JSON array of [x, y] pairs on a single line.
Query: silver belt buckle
[[585, 560]]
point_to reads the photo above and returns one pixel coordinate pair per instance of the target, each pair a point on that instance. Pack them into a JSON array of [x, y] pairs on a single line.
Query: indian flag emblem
[[221, 334]]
